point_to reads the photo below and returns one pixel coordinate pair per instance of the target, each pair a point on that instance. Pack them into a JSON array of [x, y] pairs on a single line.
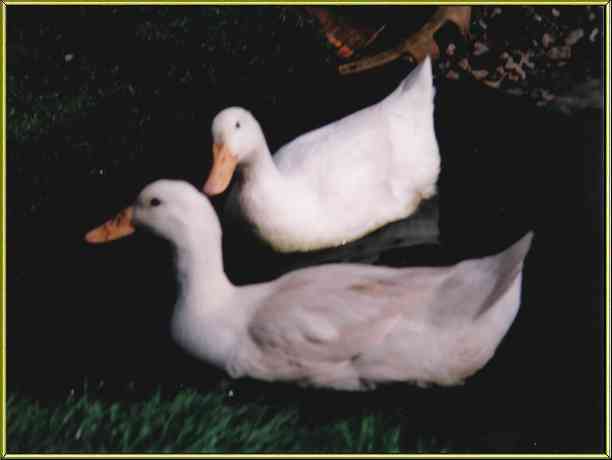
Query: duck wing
[[339, 147], [335, 313], [474, 286], [328, 313]]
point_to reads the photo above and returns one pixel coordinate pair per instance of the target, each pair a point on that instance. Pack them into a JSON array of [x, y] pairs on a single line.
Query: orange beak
[[117, 227], [224, 164]]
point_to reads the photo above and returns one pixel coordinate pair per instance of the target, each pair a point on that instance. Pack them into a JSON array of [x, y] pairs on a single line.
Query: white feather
[[340, 181], [342, 326]]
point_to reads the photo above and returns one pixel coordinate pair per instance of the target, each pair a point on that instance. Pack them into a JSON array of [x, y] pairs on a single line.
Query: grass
[[188, 422]]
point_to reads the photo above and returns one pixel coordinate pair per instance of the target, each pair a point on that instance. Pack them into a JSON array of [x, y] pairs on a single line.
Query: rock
[[574, 37], [558, 53], [452, 75], [547, 40], [480, 74], [480, 48]]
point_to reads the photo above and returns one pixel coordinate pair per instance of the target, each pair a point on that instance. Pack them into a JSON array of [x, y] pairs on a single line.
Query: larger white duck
[[336, 183], [342, 326]]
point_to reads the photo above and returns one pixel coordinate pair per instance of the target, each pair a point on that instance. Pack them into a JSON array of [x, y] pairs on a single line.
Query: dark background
[[134, 103]]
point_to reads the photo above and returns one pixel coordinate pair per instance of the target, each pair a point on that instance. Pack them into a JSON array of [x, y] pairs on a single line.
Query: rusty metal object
[[348, 38], [417, 46]]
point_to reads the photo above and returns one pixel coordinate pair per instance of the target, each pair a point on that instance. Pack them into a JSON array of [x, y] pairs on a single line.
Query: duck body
[[353, 327], [339, 182], [340, 326]]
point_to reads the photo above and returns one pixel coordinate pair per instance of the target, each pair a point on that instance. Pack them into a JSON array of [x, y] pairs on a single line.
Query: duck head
[[174, 210], [237, 138]]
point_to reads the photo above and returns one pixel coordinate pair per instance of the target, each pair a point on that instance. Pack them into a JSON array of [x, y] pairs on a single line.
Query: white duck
[[341, 326], [339, 182]]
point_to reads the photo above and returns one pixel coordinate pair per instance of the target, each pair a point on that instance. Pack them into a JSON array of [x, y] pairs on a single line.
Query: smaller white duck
[[339, 182], [340, 326]]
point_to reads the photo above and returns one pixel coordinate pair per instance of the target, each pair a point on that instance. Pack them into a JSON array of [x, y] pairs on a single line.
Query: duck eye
[[155, 202], [237, 125]]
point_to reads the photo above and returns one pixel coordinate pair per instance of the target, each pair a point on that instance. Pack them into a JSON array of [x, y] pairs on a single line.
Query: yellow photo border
[[3, 422]]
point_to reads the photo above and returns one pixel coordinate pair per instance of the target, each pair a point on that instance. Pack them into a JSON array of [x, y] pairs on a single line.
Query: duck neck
[[261, 166], [200, 272]]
